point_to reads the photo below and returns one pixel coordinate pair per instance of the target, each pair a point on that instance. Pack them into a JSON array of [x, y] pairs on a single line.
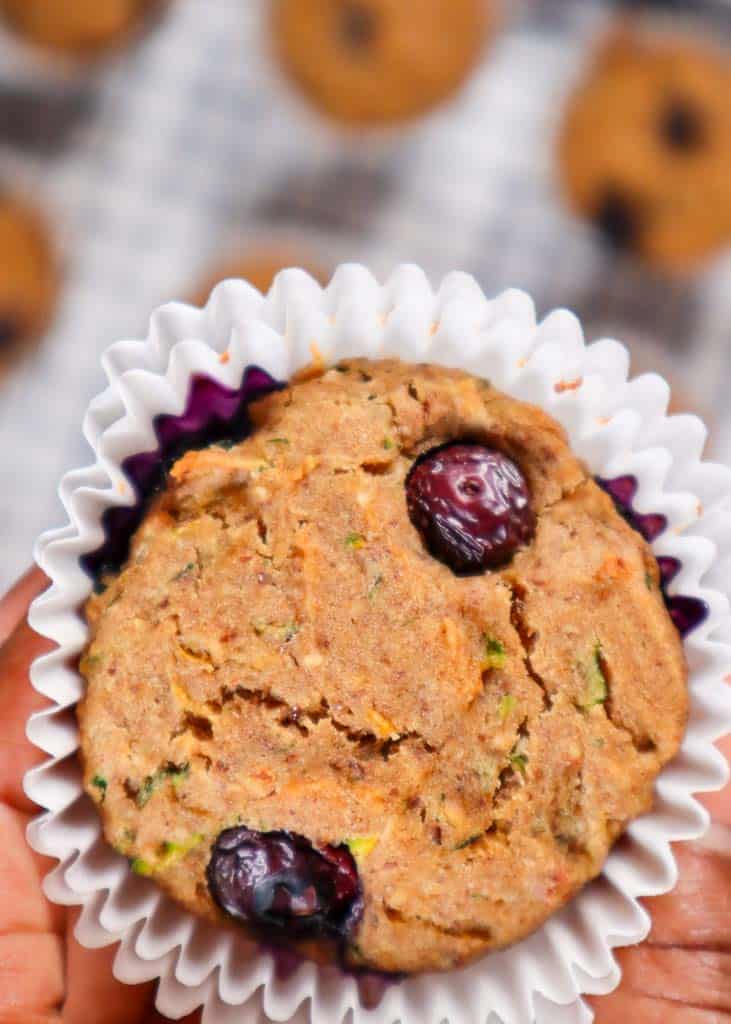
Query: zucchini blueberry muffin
[[78, 27], [28, 277], [646, 147], [374, 62], [386, 679]]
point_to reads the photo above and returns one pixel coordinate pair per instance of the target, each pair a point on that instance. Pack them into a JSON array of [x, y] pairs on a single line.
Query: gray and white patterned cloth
[[189, 140]]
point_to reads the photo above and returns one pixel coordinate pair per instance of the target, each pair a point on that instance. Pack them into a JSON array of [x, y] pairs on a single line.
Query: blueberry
[[616, 219], [471, 505], [278, 881], [357, 26], [682, 125]]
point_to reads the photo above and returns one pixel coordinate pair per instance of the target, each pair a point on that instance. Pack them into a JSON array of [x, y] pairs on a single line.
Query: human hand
[[680, 975], [46, 977]]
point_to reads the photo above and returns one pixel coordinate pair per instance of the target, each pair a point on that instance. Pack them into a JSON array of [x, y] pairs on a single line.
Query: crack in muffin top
[[283, 654]]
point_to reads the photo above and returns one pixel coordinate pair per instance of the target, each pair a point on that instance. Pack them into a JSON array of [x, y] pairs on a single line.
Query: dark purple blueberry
[[278, 881], [357, 25], [471, 505], [616, 219], [9, 332], [682, 125]]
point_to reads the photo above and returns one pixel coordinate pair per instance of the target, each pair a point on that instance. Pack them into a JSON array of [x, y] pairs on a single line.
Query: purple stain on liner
[[372, 985], [286, 961], [623, 490], [669, 568], [686, 612], [212, 413]]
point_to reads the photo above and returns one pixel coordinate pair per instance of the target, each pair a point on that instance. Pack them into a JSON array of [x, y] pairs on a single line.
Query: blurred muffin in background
[[29, 277], [376, 62], [259, 266], [645, 149], [75, 27]]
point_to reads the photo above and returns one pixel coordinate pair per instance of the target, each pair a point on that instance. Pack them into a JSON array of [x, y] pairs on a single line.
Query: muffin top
[[646, 146], [389, 676], [376, 62]]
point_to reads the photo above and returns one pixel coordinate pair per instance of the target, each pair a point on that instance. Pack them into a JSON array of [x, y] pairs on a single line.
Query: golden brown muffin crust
[[281, 651]]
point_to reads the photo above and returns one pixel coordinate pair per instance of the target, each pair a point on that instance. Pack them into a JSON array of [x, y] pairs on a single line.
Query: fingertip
[[718, 804], [14, 605], [93, 994]]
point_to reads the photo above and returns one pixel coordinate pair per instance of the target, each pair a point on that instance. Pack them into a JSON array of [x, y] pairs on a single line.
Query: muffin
[[646, 146], [376, 62], [386, 679], [259, 267], [80, 27], [28, 277]]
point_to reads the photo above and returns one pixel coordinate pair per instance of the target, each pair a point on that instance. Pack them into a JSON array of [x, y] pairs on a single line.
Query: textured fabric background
[[188, 142]]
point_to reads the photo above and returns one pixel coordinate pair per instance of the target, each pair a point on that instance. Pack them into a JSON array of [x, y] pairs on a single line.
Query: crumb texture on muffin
[[646, 145], [282, 652]]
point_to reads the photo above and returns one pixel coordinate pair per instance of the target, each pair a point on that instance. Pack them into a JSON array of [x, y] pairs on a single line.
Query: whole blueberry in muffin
[[471, 505], [276, 880], [386, 679]]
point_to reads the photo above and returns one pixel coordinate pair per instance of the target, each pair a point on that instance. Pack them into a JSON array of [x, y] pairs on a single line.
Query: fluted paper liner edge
[[617, 426]]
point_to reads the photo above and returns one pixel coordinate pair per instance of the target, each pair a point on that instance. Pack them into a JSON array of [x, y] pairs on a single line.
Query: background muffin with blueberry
[[646, 145], [376, 62]]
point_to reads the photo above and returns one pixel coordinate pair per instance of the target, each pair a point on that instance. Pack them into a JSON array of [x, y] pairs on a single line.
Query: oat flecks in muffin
[[282, 654]]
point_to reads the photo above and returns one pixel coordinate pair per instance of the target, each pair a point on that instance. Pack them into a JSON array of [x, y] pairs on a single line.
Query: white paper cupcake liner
[[618, 426]]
